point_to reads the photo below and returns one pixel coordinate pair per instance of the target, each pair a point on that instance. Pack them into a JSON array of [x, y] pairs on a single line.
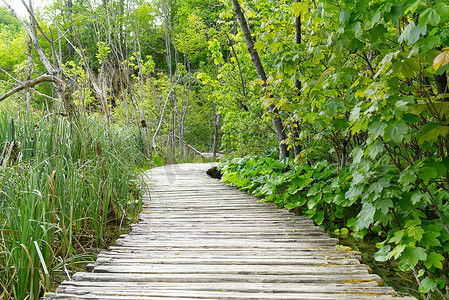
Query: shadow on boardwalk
[[200, 239]]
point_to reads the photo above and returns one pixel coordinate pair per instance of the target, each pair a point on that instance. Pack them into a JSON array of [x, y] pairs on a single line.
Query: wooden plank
[[207, 278]]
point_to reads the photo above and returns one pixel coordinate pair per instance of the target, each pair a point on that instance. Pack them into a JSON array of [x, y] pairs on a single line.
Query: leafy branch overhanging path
[[200, 239]]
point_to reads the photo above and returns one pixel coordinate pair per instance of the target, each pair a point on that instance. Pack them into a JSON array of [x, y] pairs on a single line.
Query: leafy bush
[[366, 197]]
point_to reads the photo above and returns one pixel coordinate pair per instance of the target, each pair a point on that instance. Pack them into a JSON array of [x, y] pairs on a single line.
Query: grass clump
[[61, 183]]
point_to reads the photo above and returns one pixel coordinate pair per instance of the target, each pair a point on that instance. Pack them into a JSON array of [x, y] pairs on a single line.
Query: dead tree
[[54, 69]]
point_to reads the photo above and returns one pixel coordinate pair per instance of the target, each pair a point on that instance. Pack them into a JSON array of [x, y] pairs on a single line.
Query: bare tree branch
[[32, 83]]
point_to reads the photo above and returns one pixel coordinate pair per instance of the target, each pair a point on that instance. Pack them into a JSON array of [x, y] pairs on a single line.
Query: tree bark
[[217, 125], [441, 83], [31, 83], [295, 130], [277, 122], [29, 48]]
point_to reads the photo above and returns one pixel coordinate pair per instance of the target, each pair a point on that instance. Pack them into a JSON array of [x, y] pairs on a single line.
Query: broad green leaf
[[411, 118], [340, 124], [366, 216], [357, 155], [381, 255], [353, 192], [415, 232], [442, 9], [406, 177], [357, 177], [434, 259], [416, 197], [430, 236], [384, 205], [416, 33], [344, 16], [429, 16], [397, 237], [417, 109], [300, 8], [427, 285], [333, 105], [405, 35], [376, 129], [396, 132], [412, 8], [378, 186], [406, 67], [414, 255], [374, 20], [427, 173], [375, 148], [396, 252], [357, 28]]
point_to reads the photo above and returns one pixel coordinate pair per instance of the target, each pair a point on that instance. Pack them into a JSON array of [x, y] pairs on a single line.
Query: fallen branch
[[32, 83]]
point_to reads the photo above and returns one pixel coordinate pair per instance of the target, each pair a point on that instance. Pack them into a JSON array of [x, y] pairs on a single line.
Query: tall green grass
[[61, 183]]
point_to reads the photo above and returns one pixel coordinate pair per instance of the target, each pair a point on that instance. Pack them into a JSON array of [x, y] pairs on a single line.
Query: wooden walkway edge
[[200, 239]]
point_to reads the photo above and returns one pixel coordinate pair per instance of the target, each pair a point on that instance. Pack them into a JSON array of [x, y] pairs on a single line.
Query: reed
[[61, 184]]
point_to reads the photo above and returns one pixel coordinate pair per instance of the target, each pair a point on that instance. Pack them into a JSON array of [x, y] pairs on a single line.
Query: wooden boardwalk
[[200, 239]]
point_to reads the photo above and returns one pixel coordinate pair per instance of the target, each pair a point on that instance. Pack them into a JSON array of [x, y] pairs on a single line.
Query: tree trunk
[[277, 122], [441, 83], [217, 125], [295, 130], [29, 46]]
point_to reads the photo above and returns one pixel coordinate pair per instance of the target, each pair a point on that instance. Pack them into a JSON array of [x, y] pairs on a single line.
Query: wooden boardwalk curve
[[200, 239]]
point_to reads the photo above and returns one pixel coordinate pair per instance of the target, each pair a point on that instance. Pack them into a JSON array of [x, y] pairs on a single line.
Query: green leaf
[[376, 129], [357, 28], [406, 67], [429, 16], [357, 155], [397, 237], [415, 232], [434, 259], [430, 236], [381, 255], [396, 252], [340, 124], [406, 177], [427, 285], [405, 35], [416, 197], [427, 173], [416, 33], [412, 8], [353, 192], [384, 205], [344, 16], [366, 216], [414, 255], [378, 186], [374, 20], [433, 134], [396, 132], [333, 105], [375, 148], [300, 8], [443, 10]]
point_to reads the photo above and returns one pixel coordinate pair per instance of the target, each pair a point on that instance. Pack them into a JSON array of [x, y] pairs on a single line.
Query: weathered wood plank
[[199, 239]]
